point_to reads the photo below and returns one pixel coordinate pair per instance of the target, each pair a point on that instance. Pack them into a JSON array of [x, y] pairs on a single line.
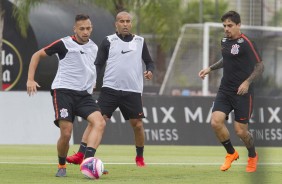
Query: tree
[[159, 18], [20, 13], [204, 11]]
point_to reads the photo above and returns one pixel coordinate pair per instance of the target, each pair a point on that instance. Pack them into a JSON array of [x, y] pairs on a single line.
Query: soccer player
[[72, 87], [122, 53], [242, 65]]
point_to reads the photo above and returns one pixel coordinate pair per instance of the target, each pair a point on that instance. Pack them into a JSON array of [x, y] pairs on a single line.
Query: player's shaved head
[[123, 13]]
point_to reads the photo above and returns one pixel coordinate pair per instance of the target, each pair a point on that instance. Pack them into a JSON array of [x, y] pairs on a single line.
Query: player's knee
[[240, 132], [66, 135], [101, 124], [138, 125], [216, 123]]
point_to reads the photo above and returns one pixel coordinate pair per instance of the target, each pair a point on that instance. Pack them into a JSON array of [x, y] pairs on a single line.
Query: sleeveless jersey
[[76, 70], [124, 69]]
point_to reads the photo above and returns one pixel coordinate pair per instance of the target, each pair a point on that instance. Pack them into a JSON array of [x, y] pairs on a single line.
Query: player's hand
[[31, 87], [243, 88], [148, 75], [202, 74]]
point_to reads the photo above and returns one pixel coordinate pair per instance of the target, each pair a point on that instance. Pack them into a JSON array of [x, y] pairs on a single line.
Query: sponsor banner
[[16, 52], [186, 121]]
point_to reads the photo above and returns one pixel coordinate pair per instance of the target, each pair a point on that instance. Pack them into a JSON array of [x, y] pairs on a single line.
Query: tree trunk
[[1, 42]]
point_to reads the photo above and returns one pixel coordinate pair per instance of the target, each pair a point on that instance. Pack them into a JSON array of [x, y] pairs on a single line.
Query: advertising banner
[[186, 121]]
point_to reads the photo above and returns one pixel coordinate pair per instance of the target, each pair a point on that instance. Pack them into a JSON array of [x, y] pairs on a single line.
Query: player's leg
[[63, 146], [97, 125], [62, 102], [132, 110], [243, 132], [139, 138], [243, 113], [87, 108], [221, 108], [77, 158]]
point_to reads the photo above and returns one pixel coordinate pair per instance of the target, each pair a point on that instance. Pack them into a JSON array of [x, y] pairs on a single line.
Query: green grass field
[[165, 164]]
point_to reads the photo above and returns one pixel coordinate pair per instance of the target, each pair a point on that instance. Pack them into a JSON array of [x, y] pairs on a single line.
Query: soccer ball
[[92, 168]]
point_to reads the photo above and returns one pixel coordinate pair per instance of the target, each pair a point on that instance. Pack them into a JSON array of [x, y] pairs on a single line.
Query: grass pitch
[[165, 165]]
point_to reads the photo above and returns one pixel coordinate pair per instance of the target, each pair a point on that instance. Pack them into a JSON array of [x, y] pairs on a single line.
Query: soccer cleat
[[76, 158], [252, 164], [140, 161], [229, 158], [62, 171]]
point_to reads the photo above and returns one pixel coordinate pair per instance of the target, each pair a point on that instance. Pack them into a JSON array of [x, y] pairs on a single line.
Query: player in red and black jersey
[[241, 65]]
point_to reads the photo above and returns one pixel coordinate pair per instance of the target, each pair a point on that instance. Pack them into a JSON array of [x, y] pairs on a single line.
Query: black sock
[[62, 160], [82, 147], [139, 151], [89, 152], [252, 152], [228, 146]]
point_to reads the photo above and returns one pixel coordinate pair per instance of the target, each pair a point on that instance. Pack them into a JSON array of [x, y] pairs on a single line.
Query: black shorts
[[70, 103], [129, 103], [241, 104]]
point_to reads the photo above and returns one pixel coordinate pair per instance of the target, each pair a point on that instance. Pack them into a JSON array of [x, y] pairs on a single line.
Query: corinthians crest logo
[[235, 49], [64, 113]]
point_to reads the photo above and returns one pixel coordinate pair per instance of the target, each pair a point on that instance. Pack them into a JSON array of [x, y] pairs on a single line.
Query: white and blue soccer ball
[[92, 168]]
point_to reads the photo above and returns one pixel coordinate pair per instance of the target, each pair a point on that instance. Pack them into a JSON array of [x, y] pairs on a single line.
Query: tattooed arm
[[259, 68], [215, 66], [244, 87]]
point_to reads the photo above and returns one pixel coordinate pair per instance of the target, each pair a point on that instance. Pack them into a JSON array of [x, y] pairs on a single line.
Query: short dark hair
[[81, 17], [233, 16]]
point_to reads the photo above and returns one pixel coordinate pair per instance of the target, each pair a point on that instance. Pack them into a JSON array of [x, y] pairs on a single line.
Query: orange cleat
[[229, 158], [252, 164], [140, 161]]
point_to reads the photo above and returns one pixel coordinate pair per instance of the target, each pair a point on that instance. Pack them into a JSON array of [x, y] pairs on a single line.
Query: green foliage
[[115, 6], [162, 18], [211, 12], [21, 13]]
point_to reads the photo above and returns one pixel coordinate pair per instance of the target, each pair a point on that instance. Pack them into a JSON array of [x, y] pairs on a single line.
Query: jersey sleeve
[[57, 47], [147, 58], [253, 49]]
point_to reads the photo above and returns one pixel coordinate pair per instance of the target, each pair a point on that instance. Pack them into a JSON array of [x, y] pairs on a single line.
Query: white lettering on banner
[[168, 115], [7, 59], [6, 76], [145, 120], [122, 120], [274, 115], [208, 120], [155, 114], [268, 134], [161, 134], [261, 115], [197, 115]]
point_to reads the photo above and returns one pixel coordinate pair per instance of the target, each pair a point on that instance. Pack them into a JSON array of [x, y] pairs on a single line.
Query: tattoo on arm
[[259, 67], [217, 65]]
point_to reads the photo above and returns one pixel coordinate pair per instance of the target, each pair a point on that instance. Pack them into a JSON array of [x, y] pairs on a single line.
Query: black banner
[[186, 121]]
